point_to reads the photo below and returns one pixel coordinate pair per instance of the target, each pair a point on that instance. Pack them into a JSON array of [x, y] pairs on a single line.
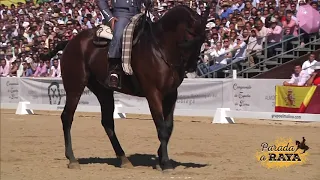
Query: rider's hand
[[112, 22]]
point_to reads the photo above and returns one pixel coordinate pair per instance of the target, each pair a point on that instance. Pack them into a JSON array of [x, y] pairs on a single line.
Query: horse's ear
[[206, 12], [148, 5]]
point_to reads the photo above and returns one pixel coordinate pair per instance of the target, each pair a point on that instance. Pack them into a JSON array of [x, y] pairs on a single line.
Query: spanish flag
[[311, 102], [289, 98]]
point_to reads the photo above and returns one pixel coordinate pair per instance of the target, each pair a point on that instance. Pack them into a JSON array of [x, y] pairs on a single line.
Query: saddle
[[131, 36]]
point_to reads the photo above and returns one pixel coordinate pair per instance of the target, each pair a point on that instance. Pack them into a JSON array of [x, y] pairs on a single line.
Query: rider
[[123, 11]]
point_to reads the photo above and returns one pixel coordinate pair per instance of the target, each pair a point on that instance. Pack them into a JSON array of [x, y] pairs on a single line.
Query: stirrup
[[114, 84]]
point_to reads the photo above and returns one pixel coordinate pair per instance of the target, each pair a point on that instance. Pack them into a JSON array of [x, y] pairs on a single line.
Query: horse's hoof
[[74, 165], [127, 165], [158, 167], [167, 171], [167, 167]]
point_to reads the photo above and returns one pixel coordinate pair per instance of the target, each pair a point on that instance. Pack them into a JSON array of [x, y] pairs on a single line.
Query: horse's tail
[[60, 46]]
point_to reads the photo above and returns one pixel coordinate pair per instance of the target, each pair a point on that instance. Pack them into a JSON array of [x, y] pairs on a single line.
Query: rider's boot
[[114, 79]]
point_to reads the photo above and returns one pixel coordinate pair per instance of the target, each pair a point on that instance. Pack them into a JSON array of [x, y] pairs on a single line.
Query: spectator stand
[[263, 61], [29, 28]]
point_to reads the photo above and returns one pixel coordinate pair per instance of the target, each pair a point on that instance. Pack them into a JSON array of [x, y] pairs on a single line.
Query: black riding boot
[[114, 73]]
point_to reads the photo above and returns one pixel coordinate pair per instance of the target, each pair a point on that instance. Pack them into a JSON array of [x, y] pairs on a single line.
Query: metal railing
[[276, 56]]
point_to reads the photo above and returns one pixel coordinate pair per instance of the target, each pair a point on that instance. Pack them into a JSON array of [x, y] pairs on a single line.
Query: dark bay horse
[[164, 51]]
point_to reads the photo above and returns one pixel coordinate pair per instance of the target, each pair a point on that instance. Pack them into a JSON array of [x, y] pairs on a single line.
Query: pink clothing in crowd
[[292, 26], [275, 35], [4, 71], [41, 71]]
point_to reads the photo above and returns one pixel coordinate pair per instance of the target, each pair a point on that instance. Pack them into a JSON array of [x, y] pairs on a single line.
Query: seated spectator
[[13, 69], [226, 10], [315, 76], [4, 67], [274, 36], [261, 30], [41, 70], [20, 68], [55, 69], [255, 46], [48, 65], [27, 70], [239, 49], [308, 63], [218, 54], [299, 77], [228, 48], [290, 29]]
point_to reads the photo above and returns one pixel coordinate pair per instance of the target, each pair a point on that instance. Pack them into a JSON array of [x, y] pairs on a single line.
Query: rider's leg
[[115, 51]]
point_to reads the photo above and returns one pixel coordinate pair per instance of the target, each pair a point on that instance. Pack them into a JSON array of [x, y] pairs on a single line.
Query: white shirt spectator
[[255, 3], [241, 52], [306, 66], [20, 70], [56, 72], [263, 33], [255, 44], [219, 55], [299, 80]]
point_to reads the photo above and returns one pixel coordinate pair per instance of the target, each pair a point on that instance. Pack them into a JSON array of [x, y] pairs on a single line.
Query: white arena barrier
[[225, 115], [220, 115], [199, 94], [221, 99]]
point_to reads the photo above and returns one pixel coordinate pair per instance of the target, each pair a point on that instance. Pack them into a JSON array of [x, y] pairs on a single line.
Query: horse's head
[[187, 29]]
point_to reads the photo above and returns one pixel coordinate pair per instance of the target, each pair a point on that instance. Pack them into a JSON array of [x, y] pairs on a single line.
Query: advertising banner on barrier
[[254, 94], [238, 94], [200, 94], [9, 90], [50, 91]]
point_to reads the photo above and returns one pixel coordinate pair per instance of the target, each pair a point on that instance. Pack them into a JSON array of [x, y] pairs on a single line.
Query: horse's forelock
[[181, 13]]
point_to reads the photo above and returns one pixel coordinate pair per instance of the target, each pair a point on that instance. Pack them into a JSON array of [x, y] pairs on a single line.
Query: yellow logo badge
[[284, 152]]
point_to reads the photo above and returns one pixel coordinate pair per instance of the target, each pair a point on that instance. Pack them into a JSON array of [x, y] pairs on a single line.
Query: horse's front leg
[[162, 113]]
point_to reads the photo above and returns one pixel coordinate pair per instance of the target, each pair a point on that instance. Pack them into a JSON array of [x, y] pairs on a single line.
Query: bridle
[[186, 41], [183, 60]]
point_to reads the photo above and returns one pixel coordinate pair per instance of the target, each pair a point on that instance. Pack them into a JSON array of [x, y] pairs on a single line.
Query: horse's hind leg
[[72, 100], [106, 100]]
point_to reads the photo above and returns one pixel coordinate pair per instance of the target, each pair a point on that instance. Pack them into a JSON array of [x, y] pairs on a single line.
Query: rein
[[171, 65]]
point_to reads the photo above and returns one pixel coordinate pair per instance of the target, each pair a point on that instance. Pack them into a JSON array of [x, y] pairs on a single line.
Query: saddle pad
[[127, 44]]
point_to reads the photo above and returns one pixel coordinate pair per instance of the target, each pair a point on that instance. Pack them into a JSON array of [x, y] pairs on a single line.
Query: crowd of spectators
[[242, 29], [32, 28]]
